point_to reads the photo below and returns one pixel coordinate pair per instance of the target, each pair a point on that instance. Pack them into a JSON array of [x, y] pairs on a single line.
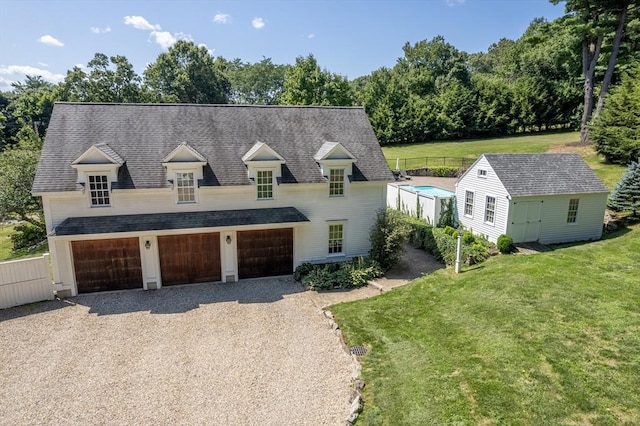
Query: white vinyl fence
[[25, 281]]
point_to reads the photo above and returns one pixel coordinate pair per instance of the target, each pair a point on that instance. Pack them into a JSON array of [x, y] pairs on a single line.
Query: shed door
[[102, 265], [191, 258], [265, 253], [527, 216]]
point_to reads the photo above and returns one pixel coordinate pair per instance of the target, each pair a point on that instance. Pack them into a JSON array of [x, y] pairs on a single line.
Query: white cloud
[[452, 3], [206, 47], [42, 64], [312, 35], [98, 30], [81, 66], [22, 70], [165, 39], [50, 40], [222, 18], [140, 23], [258, 23]]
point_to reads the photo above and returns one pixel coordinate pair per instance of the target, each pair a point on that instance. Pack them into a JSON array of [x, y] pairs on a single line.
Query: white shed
[[550, 198]]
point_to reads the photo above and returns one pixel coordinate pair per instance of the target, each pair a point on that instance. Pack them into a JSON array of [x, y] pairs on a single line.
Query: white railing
[[25, 281]]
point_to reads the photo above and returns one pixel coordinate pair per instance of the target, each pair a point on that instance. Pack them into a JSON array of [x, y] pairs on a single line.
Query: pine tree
[[626, 193]]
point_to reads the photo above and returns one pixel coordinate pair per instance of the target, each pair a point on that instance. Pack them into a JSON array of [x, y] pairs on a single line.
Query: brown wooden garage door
[[265, 253], [192, 258], [112, 264]]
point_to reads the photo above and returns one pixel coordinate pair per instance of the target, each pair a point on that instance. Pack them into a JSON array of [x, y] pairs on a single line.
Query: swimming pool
[[429, 190]]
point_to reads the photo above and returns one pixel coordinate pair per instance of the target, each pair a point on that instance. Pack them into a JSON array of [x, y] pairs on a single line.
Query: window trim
[[106, 181], [342, 239], [194, 186], [466, 202], [271, 184], [482, 173], [573, 212], [337, 183], [493, 211]]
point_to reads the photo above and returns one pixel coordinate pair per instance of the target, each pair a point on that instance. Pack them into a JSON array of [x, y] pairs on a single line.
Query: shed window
[[335, 238], [482, 173], [264, 180], [185, 185], [490, 209], [336, 182], [99, 190], [572, 214], [468, 203]]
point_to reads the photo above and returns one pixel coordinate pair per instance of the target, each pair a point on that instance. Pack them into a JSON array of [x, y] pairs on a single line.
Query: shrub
[[451, 231], [468, 237], [447, 211], [387, 236], [443, 171], [505, 244], [27, 235], [319, 278], [445, 246], [302, 271], [475, 253]]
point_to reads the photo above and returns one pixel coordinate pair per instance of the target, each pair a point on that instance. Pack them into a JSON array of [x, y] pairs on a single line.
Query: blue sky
[[349, 37]]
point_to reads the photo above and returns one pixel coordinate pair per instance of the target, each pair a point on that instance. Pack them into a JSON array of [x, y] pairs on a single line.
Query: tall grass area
[[550, 338], [473, 148]]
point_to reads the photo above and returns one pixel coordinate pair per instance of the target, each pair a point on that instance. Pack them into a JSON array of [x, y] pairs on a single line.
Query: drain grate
[[358, 350]]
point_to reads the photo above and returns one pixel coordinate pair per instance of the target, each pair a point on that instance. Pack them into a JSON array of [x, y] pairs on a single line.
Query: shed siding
[[554, 227], [482, 187]]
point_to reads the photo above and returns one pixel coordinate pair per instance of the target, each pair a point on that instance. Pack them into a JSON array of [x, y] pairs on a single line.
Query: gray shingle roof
[[142, 134], [545, 174], [185, 220]]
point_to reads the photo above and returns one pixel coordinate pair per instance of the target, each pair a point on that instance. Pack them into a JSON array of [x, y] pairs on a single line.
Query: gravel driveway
[[253, 352]]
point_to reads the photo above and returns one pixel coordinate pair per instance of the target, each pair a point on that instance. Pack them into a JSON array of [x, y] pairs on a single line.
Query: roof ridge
[[210, 105]]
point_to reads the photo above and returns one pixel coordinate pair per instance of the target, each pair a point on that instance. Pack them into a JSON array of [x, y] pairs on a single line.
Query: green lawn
[[6, 252], [551, 338], [554, 142]]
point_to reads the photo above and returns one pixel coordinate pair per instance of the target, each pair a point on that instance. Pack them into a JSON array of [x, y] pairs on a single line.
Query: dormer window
[[336, 182], [184, 167], [185, 187], [97, 168], [264, 166], [99, 190], [336, 163]]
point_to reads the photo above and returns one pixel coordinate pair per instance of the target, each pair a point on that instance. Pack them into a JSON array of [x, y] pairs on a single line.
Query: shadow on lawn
[[623, 230], [179, 299]]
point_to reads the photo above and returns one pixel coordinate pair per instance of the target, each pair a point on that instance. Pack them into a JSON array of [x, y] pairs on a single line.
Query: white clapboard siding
[[25, 281]]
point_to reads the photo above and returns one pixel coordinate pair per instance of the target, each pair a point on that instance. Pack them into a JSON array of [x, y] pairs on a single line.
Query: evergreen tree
[[626, 193]]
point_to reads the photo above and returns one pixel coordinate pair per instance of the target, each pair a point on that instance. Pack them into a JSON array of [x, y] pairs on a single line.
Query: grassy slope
[[550, 338], [5, 246], [555, 142]]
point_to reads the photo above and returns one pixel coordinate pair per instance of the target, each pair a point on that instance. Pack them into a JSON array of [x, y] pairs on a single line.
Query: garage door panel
[[190, 258], [111, 264], [265, 253]]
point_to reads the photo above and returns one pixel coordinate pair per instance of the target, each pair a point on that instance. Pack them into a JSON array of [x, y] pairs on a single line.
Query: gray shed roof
[[143, 134], [183, 220], [545, 174]]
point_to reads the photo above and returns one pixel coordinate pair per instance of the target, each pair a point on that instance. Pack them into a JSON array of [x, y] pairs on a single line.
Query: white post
[[459, 254]]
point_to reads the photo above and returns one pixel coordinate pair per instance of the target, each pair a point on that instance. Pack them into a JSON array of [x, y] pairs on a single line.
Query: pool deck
[[440, 182]]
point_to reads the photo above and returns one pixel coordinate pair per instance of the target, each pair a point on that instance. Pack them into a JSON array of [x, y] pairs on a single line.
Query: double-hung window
[[264, 182], [468, 204], [336, 182], [490, 209], [186, 187], [572, 214], [336, 238], [99, 190]]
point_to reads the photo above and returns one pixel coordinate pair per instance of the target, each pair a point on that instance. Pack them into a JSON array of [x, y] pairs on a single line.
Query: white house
[[550, 198], [150, 195]]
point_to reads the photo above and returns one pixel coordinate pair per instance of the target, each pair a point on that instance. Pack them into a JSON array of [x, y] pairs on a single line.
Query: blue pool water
[[430, 190]]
